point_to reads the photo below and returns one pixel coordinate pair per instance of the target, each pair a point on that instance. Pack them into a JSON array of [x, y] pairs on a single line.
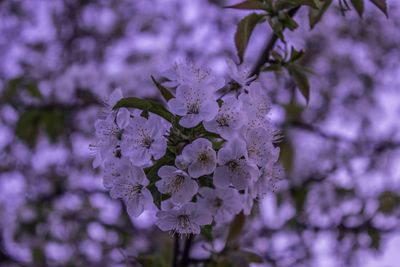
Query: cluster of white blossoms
[[209, 160]]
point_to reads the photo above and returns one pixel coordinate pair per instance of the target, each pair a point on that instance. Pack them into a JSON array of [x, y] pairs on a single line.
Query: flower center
[[223, 121], [183, 221], [133, 190], [176, 184], [218, 202], [233, 165], [193, 108], [147, 141], [203, 157]]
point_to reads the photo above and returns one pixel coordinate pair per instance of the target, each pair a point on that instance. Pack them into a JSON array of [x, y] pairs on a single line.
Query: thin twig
[[176, 251], [186, 251], [264, 57]]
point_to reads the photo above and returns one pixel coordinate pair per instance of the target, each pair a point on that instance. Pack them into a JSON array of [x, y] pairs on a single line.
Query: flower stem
[[186, 251], [176, 251]]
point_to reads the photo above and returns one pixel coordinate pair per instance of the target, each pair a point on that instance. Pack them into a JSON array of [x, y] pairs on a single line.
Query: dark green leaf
[[244, 31], [37, 254], [272, 67], [381, 4], [286, 155], [147, 105], [164, 91], [299, 195], [300, 78], [252, 5], [388, 202], [285, 4], [27, 127], [375, 237], [358, 6], [54, 123], [206, 232], [288, 22], [235, 230], [152, 171], [22, 83], [315, 15], [295, 55]]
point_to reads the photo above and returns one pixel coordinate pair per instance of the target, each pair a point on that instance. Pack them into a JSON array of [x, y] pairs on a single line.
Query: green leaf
[[295, 55], [54, 123], [388, 202], [152, 172], [287, 155], [22, 83], [147, 105], [299, 195], [300, 78], [235, 230], [375, 237], [285, 4], [206, 232], [381, 4], [244, 31], [358, 6], [315, 15], [27, 127], [272, 67], [288, 22], [164, 91], [252, 5]]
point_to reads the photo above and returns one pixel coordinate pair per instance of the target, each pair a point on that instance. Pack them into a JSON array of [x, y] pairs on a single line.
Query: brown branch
[[264, 57]]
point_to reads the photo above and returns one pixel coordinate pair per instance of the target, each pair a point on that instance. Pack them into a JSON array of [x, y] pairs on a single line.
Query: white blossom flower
[[144, 140], [108, 140], [201, 156], [260, 147], [109, 130], [268, 180], [228, 119], [177, 183], [120, 116], [234, 167], [181, 162], [223, 204], [169, 205], [238, 74], [185, 220], [131, 188], [256, 101], [188, 74], [115, 168], [194, 104]]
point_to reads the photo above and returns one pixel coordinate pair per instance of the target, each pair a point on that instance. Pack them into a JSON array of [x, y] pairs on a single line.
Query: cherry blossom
[[260, 147], [177, 183], [201, 156], [237, 74], [222, 203], [144, 140], [194, 104], [190, 74], [234, 168], [108, 140], [228, 119], [131, 188], [184, 220]]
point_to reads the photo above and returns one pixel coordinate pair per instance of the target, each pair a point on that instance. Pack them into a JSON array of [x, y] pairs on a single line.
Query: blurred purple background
[[338, 206]]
